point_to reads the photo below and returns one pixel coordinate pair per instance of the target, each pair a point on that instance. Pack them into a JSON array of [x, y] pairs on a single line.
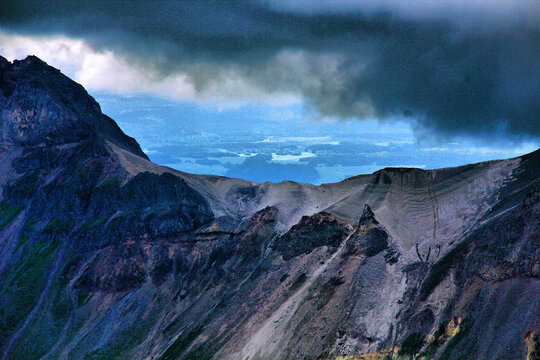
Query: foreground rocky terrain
[[105, 255]]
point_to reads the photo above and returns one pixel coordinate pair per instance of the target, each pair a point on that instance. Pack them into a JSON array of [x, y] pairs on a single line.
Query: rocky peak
[[40, 105], [32, 61], [3, 62], [367, 217]]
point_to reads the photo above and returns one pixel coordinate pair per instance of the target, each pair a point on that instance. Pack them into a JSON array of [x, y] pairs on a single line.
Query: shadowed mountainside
[[105, 255]]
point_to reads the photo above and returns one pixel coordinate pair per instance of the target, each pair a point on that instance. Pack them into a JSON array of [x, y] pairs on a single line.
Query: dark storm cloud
[[458, 74]]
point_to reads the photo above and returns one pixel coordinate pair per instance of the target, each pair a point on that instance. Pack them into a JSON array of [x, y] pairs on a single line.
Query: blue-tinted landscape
[[269, 180], [275, 143]]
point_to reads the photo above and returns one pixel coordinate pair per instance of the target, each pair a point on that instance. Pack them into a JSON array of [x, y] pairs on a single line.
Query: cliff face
[[104, 255]]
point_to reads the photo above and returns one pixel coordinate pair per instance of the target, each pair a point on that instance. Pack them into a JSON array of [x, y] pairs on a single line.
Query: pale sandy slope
[[432, 208]]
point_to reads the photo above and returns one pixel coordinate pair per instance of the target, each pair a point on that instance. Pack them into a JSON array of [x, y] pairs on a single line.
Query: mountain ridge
[[106, 255]]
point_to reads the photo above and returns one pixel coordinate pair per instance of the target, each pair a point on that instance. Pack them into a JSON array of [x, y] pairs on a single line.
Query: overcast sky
[[451, 66], [450, 69]]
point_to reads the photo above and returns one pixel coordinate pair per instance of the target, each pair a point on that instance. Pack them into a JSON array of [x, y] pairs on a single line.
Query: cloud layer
[[462, 69]]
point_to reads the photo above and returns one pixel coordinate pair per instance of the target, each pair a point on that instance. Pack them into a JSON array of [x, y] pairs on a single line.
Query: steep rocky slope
[[105, 255]]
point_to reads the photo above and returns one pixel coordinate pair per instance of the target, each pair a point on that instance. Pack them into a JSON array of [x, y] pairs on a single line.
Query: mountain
[[106, 255]]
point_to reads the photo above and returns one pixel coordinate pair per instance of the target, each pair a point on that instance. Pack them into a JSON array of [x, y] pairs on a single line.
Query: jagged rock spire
[[367, 217]]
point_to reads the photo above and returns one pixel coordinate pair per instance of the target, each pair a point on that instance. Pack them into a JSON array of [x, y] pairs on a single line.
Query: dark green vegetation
[[8, 213], [412, 344], [182, 343], [464, 329], [22, 240], [57, 226], [439, 338], [83, 298], [23, 285], [94, 222]]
